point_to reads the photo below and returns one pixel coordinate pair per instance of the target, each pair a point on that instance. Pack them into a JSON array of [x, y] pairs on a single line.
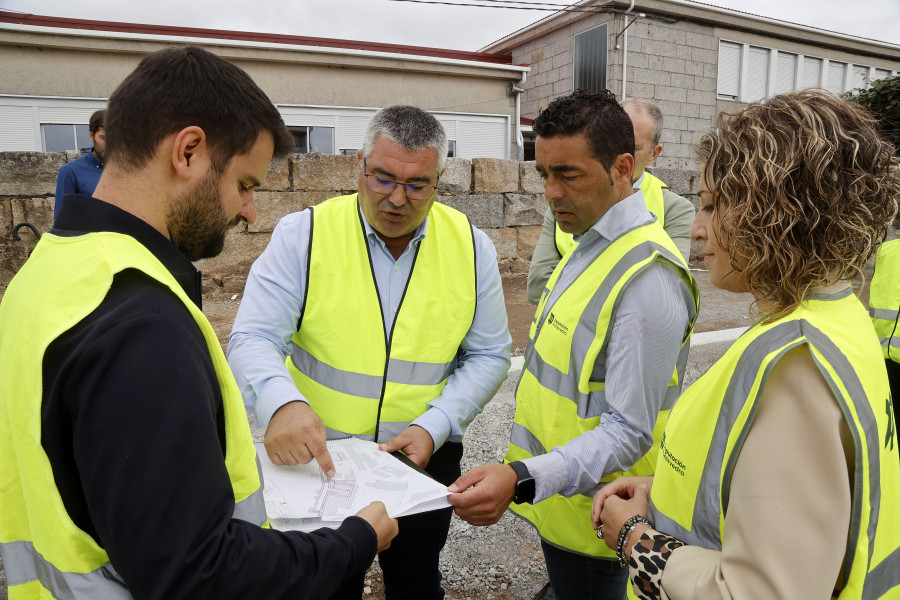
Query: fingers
[[296, 435], [467, 480], [415, 442], [385, 527], [323, 457], [481, 496]]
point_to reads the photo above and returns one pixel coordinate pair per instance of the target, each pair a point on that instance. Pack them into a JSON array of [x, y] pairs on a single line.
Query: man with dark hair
[[127, 464], [377, 315], [675, 213], [82, 174], [606, 356]]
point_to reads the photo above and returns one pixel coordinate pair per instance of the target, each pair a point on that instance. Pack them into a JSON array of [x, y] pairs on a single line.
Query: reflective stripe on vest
[[363, 377], [884, 298], [651, 187], [561, 393], [690, 493], [24, 565], [35, 531]]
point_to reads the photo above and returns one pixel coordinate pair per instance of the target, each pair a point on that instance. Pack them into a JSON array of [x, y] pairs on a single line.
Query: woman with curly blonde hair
[[778, 475]]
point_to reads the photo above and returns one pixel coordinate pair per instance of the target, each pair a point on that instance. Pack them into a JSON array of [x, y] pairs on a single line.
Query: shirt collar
[[93, 160], [621, 217], [637, 182], [80, 214]]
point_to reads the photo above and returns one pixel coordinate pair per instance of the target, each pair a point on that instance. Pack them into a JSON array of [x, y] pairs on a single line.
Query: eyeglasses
[[382, 185]]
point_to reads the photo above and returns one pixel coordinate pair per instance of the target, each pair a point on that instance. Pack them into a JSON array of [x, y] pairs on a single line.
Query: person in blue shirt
[[377, 315], [81, 175]]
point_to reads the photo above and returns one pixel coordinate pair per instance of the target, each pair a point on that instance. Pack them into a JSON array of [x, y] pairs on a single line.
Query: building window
[[451, 148], [757, 74], [859, 77], [880, 74], [313, 139], [812, 72], [66, 138], [590, 59], [748, 73], [785, 72], [729, 76], [349, 151], [837, 74]]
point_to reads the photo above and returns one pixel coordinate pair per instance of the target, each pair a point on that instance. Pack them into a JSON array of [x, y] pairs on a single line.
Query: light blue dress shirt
[[273, 300], [645, 340]]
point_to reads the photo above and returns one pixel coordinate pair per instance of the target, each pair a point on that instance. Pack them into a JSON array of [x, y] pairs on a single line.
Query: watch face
[[525, 490]]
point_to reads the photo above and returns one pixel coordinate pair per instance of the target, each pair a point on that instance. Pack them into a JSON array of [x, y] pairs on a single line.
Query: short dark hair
[[185, 86], [96, 120], [597, 115]]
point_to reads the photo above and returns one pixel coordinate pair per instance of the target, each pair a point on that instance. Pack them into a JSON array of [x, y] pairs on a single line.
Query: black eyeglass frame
[[403, 183]]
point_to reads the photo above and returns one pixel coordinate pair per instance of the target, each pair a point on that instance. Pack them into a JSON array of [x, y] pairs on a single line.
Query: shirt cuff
[[549, 472], [436, 424], [277, 394]]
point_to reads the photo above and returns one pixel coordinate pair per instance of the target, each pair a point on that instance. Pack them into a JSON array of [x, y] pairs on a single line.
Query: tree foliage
[[882, 99]]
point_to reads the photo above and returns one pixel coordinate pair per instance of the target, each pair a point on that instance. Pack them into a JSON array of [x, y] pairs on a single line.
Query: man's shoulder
[[671, 199], [70, 165]]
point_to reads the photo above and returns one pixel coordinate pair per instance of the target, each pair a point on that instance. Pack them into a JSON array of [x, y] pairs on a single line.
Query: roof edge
[[270, 38]]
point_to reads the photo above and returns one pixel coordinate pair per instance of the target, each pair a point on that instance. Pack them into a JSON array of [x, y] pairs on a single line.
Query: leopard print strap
[[648, 559]]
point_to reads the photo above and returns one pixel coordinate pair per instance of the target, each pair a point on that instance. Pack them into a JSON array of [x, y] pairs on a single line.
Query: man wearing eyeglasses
[[377, 315]]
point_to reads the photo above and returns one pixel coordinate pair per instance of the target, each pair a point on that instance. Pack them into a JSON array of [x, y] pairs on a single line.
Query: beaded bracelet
[[624, 534]]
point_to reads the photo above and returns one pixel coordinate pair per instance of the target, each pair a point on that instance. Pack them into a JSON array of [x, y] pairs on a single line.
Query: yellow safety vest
[[651, 187], [64, 280], [884, 299], [690, 493], [358, 379], [561, 394]]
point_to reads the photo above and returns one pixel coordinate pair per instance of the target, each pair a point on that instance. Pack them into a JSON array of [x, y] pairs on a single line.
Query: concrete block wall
[[674, 64]]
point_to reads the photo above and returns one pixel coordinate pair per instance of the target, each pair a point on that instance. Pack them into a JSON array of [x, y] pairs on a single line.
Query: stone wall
[[503, 198]]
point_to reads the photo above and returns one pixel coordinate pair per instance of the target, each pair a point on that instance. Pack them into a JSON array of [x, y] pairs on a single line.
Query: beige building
[[694, 60], [55, 72]]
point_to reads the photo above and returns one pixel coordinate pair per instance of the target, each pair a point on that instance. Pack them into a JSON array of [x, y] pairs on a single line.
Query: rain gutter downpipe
[[625, 51], [512, 88]]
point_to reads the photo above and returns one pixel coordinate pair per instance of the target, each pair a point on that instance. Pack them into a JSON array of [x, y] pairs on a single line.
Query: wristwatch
[[524, 483]]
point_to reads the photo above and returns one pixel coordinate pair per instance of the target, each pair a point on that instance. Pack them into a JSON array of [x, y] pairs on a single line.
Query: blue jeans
[[577, 577]]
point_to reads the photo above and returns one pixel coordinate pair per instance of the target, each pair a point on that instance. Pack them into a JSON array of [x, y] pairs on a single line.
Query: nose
[[552, 189], [397, 197], [698, 229], [248, 211]]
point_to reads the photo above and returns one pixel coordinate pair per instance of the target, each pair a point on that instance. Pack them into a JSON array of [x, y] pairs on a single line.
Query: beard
[[197, 221]]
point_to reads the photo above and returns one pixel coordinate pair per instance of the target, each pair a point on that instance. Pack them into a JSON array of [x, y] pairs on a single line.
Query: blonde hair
[[804, 192]]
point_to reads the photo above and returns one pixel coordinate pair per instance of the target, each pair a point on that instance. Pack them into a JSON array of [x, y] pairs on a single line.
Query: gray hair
[[654, 112], [410, 127]]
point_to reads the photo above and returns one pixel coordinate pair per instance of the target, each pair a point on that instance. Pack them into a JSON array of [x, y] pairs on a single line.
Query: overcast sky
[[434, 25]]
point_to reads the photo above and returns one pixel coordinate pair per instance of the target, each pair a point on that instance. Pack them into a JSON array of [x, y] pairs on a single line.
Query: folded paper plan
[[302, 498]]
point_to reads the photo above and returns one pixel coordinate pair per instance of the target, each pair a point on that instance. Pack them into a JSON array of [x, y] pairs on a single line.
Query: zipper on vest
[[388, 339]]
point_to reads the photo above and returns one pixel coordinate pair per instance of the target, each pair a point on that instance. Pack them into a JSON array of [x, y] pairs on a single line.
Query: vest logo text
[[673, 462], [560, 327]]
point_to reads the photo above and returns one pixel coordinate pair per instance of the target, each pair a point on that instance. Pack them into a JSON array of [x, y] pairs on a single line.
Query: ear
[[359, 156], [622, 168], [657, 150], [190, 153]]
